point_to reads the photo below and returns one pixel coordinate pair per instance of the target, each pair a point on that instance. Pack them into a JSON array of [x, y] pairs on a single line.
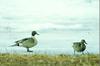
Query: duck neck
[[33, 36], [82, 42]]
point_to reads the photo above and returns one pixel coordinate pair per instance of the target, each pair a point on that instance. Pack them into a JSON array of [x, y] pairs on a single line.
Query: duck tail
[[14, 45], [17, 44]]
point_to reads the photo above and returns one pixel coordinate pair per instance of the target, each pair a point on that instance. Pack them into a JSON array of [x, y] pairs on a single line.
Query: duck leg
[[29, 50], [83, 53], [74, 52]]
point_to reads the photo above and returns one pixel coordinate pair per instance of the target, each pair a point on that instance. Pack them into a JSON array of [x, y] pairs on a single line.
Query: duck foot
[[82, 53], [29, 50]]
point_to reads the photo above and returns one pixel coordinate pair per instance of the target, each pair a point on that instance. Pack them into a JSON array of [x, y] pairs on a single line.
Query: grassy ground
[[48, 60]]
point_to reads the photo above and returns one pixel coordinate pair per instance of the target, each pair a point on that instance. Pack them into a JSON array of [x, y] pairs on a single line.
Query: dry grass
[[48, 60]]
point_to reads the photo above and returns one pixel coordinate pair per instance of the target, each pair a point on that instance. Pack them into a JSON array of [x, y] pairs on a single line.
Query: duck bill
[[85, 42], [37, 34]]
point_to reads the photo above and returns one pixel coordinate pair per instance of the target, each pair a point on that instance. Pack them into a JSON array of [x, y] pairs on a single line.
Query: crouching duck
[[27, 42], [79, 46]]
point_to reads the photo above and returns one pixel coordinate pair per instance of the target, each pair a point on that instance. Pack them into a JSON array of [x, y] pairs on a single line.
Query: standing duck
[[27, 42], [79, 46]]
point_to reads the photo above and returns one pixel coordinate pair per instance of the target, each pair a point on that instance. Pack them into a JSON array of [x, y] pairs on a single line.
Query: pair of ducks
[[32, 41]]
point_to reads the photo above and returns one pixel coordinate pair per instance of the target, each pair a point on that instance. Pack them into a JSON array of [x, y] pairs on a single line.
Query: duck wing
[[29, 43], [22, 40], [79, 47]]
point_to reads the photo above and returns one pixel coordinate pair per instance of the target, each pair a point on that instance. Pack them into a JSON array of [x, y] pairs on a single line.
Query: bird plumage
[[79, 46], [27, 42]]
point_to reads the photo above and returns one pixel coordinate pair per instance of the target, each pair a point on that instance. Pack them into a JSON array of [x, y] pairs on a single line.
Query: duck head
[[83, 41], [34, 33]]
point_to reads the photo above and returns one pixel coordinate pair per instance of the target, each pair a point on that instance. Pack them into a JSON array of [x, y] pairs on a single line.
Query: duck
[[79, 46], [27, 42]]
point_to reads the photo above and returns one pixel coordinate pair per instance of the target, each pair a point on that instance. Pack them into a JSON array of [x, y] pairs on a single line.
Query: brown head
[[83, 41]]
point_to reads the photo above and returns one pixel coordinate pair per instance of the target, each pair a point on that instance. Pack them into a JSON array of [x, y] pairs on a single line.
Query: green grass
[[49, 60]]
